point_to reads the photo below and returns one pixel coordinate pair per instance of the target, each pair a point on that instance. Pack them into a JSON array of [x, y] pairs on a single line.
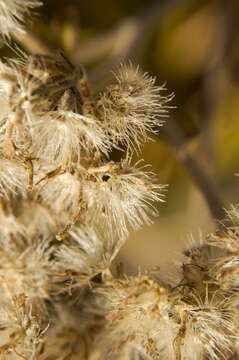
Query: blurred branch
[[120, 39], [71, 33], [32, 43], [220, 57], [216, 74], [215, 78], [173, 135], [124, 42]]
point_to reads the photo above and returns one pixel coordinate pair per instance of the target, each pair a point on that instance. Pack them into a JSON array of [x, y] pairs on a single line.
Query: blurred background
[[193, 47]]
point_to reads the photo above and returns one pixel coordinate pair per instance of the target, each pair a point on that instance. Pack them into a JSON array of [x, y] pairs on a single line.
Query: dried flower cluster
[[65, 210]]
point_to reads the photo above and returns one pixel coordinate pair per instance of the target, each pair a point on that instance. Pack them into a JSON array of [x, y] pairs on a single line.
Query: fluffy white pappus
[[12, 15], [138, 317], [63, 343], [13, 178], [208, 327], [7, 79], [62, 195], [226, 269], [4, 109], [22, 89], [120, 195], [23, 323], [25, 94], [12, 233], [87, 255], [228, 238], [27, 271], [98, 248], [38, 221], [233, 217], [132, 108], [61, 137], [17, 110], [50, 83]]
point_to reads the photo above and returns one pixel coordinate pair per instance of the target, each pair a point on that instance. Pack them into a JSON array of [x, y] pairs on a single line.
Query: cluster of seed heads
[[66, 209]]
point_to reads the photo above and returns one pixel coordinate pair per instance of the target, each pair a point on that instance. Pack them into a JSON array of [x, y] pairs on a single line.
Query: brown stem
[[173, 135]]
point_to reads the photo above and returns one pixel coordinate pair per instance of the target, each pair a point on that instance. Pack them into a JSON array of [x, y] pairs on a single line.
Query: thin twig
[[216, 75], [173, 135], [127, 40], [32, 43]]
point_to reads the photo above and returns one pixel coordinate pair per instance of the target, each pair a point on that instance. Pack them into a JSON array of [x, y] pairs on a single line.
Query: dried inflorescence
[[195, 317], [65, 211], [131, 107], [65, 205], [188, 321]]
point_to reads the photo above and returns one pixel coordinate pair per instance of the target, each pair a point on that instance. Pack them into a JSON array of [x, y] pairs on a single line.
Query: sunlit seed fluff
[[27, 270], [208, 328], [138, 318], [7, 78], [80, 198], [37, 85], [23, 323], [225, 269], [62, 137], [132, 108], [12, 178], [12, 233], [7, 83], [53, 82], [12, 15], [95, 245], [87, 255], [38, 221], [20, 86], [21, 89], [64, 343], [227, 238], [61, 194], [120, 195], [14, 131], [233, 217]]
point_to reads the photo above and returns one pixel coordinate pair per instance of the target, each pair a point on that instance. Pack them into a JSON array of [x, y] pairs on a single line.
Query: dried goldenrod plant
[[65, 211]]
